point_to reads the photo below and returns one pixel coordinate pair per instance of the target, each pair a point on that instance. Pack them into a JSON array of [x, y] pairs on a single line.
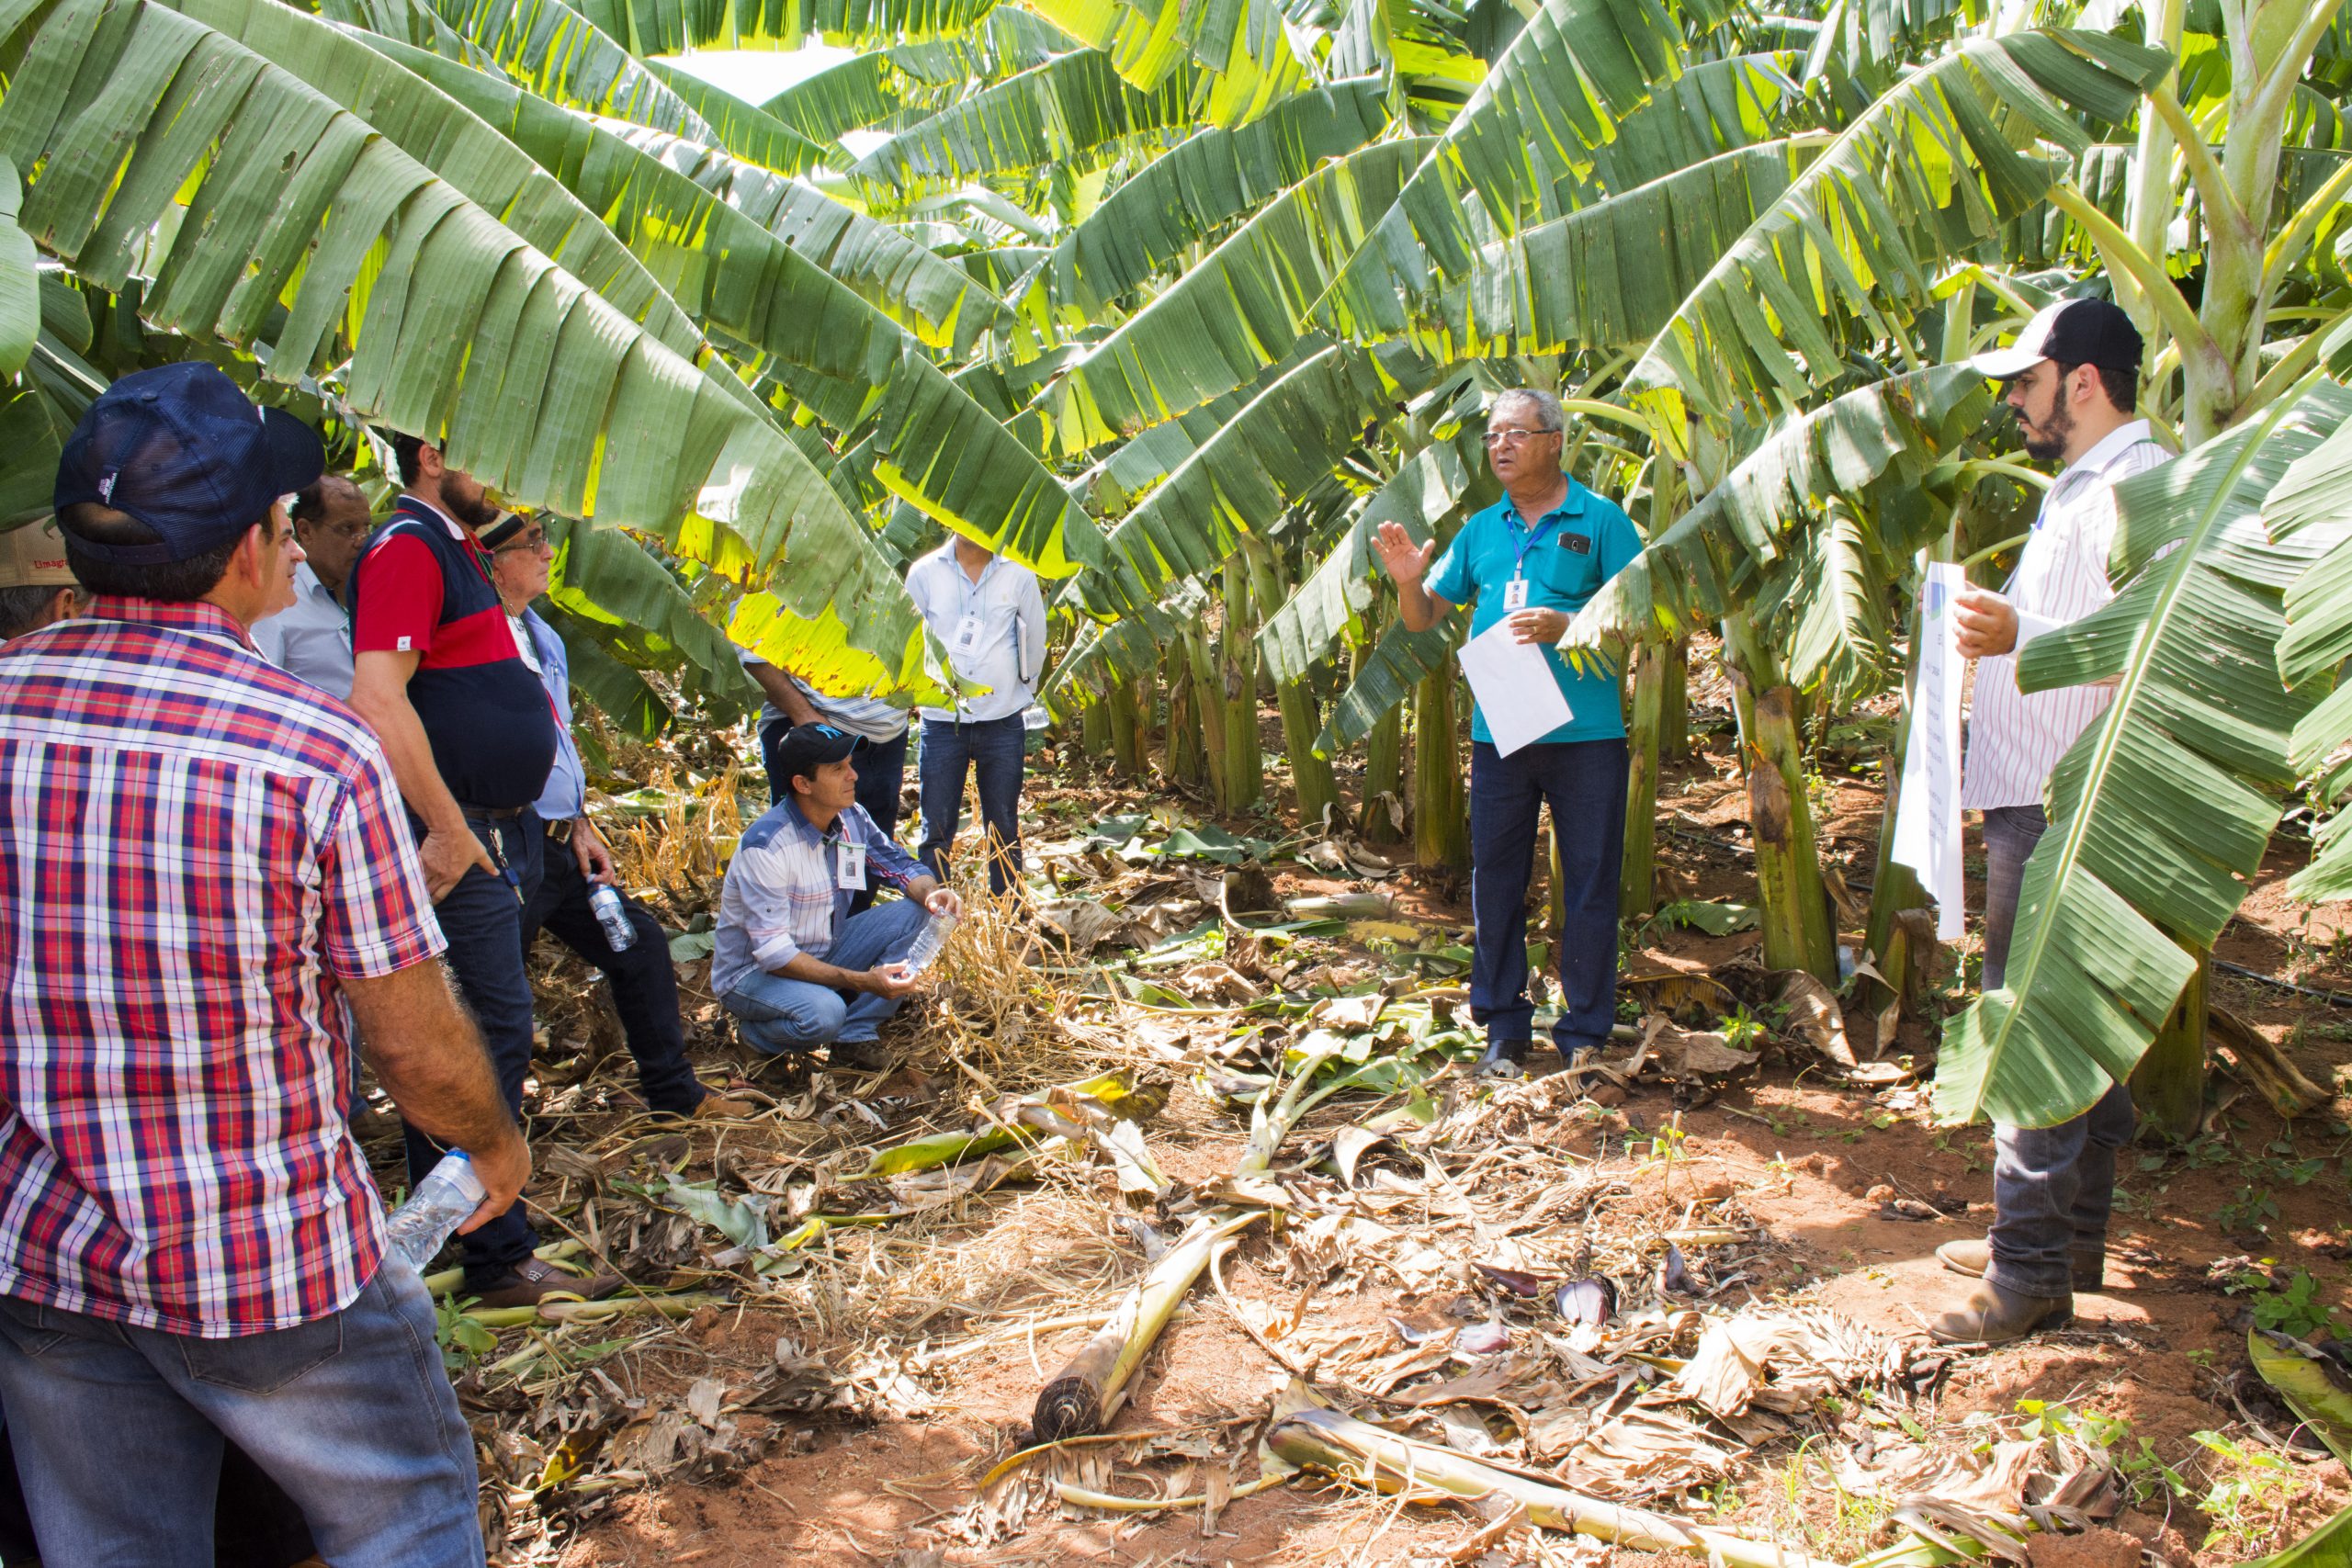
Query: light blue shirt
[[567, 793], [1007, 612], [1565, 556], [311, 638]]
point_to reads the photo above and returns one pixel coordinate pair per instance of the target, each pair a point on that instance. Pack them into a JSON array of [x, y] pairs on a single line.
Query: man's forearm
[[429, 1057], [785, 692], [411, 755], [1416, 607], [817, 971]]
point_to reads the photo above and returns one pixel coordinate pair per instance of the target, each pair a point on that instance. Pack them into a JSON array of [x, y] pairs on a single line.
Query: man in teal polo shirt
[[1537, 574]]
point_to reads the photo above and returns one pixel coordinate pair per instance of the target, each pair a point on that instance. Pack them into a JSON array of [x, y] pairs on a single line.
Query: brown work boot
[[1990, 1316], [716, 1107], [535, 1279], [1971, 1259]]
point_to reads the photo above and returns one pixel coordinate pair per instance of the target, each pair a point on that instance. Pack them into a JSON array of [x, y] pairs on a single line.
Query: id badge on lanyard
[[1515, 593], [849, 866], [966, 640]]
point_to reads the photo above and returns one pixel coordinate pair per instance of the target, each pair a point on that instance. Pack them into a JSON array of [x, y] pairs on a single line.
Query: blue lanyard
[[1535, 538]]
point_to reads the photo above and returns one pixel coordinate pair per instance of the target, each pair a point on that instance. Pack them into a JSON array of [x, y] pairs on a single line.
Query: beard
[[469, 506], [2046, 442]]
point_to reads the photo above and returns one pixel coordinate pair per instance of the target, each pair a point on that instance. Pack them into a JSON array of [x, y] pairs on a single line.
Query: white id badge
[[1515, 593], [851, 871], [967, 634]]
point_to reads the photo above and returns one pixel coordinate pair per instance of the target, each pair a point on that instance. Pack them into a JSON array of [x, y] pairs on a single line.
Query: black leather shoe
[[1504, 1059]]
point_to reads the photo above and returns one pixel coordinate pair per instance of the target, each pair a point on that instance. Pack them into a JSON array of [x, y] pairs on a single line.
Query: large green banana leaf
[[1241, 308], [603, 575], [1241, 47], [861, 91], [1385, 678], [20, 278], [648, 27], [1613, 272], [1712, 108], [561, 54], [1286, 443], [252, 204], [1576, 71], [760, 296], [746, 132], [1426, 488], [1936, 164], [1196, 188], [2165, 805], [1066, 112], [1869, 448], [619, 692], [1003, 43], [2316, 493]]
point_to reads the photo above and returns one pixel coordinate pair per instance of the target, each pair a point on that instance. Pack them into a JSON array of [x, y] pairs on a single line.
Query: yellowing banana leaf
[[2330, 1546], [2166, 803], [1064, 111], [2308, 1390]]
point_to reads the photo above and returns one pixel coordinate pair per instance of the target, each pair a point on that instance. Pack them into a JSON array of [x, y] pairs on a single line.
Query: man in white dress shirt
[[991, 616], [2072, 378], [311, 638]]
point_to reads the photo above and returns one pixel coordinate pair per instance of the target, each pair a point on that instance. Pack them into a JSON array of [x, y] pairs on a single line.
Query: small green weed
[[2294, 1310]]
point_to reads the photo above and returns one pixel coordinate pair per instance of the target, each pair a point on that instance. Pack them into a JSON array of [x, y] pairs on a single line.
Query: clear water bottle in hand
[[605, 900], [450, 1192], [936, 929]]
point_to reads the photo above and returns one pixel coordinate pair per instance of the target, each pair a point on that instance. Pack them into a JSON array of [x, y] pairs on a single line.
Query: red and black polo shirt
[[423, 586]]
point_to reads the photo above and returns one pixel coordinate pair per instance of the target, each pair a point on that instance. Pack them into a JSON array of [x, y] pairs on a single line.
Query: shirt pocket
[[1564, 572]]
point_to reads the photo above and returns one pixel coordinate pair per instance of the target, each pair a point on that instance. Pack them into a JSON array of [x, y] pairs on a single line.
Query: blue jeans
[[775, 1015], [483, 918], [1585, 783], [2010, 833], [998, 749], [118, 1432], [644, 982], [2052, 1189], [881, 772]]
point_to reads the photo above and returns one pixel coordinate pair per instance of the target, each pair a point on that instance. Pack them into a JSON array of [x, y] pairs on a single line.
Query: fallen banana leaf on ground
[[1353, 1451], [2309, 1392], [1087, 1391], [2330, 1546], [934, 1149]]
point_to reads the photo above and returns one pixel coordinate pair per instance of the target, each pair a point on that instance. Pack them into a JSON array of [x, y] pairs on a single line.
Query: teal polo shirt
[[1568, 554]]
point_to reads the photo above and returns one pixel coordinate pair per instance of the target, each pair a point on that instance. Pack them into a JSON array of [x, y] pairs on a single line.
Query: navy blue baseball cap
[[182, 449], [808, 747]]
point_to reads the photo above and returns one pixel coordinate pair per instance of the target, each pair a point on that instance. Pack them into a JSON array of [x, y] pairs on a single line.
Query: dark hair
[[171, 582], [21, 607], [408, 452], [313, 499], [2122, 385]]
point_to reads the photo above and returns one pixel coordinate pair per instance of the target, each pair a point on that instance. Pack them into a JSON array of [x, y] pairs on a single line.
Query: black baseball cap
[[2072, 331], [808, 747], [182, 449]]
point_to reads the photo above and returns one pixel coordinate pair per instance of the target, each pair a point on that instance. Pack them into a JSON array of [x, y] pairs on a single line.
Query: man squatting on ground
[[1535, 557], [205, 862], [2072, 378], [794, 965], [471, 738], [574, 858]]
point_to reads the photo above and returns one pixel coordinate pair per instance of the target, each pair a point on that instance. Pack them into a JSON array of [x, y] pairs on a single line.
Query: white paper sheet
[[1927, 820], [1513, 684]]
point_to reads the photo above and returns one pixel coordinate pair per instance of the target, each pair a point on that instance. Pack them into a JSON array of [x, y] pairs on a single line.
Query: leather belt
[[491, 813], [561, 830]]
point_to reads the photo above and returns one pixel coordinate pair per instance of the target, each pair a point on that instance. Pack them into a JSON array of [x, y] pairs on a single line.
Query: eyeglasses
[[535, 540], [1512, 435]]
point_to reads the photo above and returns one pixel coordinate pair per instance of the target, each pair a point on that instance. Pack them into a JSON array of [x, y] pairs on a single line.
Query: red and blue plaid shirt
[[192, 846]]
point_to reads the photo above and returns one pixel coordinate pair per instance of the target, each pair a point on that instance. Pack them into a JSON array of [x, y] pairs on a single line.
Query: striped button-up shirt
[[783, 896], [1006, 612], [2015, 740], [194, 846]]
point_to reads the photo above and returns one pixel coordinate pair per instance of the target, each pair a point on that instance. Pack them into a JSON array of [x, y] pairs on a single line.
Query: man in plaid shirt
[[202, 860]]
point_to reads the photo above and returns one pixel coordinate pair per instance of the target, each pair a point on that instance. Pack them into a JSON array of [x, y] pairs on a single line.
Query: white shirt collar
[[2111, 445]]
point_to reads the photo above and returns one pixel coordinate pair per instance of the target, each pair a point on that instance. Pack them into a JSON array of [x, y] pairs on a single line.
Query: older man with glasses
[[1535, 557]]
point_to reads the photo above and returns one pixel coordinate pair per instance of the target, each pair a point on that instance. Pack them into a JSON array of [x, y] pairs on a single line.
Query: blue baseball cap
[[182, 449]]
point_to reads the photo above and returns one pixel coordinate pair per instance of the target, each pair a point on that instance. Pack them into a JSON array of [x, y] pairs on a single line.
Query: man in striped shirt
[[202, 861], [2072, 378], [794, 965]]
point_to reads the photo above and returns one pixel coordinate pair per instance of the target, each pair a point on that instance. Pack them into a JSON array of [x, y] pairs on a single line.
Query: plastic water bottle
[[619, 935], [936, 929], [450, 1192]]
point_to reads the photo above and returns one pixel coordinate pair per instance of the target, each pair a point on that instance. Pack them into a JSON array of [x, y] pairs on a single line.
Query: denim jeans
[[483, 918], [2052, 1189], [645, 985], [881, 774], [118, 1432], [2010, 833], [1585, 783], [775, 1015], [997, 749]]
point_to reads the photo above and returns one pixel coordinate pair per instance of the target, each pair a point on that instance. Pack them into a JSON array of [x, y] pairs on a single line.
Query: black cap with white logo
[[2072, 331]]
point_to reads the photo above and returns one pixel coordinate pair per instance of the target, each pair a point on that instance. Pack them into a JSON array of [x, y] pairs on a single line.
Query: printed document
[[1512, 681], [1927, 820]]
